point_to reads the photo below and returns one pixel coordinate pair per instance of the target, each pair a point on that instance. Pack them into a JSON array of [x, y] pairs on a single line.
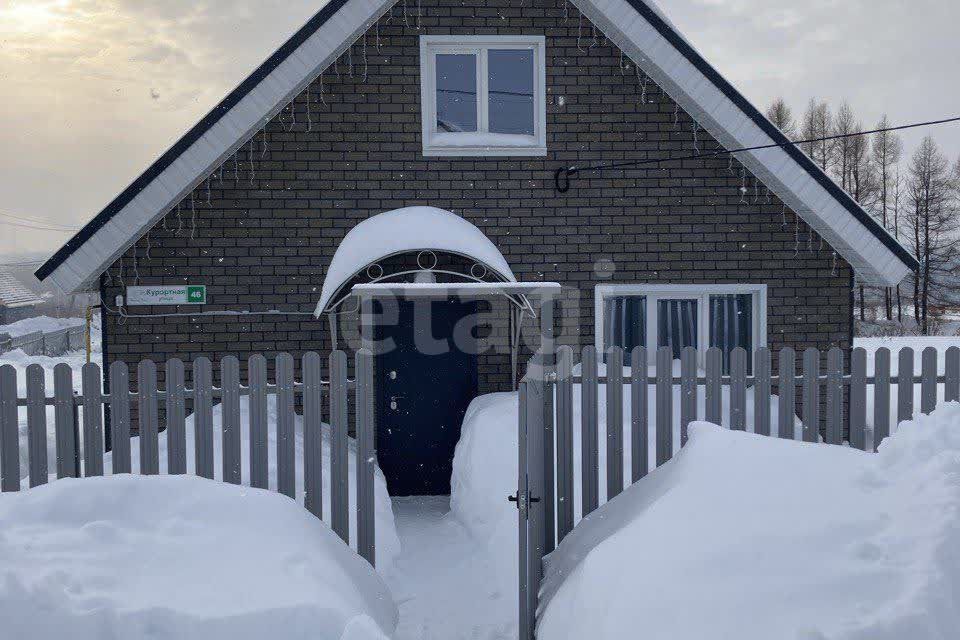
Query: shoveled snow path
[[443, 581]]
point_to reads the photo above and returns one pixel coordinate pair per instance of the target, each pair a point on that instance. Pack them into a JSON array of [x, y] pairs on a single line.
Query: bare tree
[[933, 224], [817, 124], [897, 200], [781, 115], [887, 151]]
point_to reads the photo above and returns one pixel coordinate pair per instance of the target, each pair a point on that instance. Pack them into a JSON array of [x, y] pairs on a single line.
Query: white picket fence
[[79, 427]]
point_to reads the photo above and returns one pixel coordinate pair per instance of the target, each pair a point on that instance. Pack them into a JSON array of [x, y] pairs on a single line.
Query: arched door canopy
[[408, 230]]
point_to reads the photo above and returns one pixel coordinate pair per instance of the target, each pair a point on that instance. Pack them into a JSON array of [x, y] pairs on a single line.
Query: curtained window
[[625, 322], [677, 325], [731, 326]]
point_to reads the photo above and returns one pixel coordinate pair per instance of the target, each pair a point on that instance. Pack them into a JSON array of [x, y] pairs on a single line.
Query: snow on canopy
[[406, 230]]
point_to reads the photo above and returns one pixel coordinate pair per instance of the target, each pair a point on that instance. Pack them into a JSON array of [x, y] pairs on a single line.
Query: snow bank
[[485, 470], [44, 324], [749, 537], [179, 558], [387, 541]]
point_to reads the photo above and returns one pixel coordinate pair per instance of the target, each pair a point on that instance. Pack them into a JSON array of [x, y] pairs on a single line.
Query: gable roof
[[14, 294], [638, 27]]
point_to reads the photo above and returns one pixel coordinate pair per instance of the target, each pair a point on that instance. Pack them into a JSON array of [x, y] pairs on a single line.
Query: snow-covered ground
[[753, 538], [179, 558], [44, 324], [387, 542]]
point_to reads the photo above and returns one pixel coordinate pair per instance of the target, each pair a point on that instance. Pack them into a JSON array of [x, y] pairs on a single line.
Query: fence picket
[[37, 463], [905, 387], [590, 465], [881, 396], [688, 392], [231, 435], [366, 456], [120, 416], [147, 413], [259, 452], [858, 399], [834, 417], [92, 388], [639, 418], [714, 392], [312, 434], [738, 389], [176, 417], [65, 423], [761, 391], [9, 431], [811, 395], [286, 445], [339, 465], [614, 422], [928, 382], [564, 442], [203, 416], [951, 389], [787, 394], [664, 408]]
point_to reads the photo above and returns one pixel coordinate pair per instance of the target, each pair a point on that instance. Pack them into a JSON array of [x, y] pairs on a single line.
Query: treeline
[[916, 197]]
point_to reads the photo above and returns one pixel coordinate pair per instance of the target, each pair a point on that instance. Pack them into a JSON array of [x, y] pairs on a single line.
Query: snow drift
[[750, 537], [387, 541], [179, 558]]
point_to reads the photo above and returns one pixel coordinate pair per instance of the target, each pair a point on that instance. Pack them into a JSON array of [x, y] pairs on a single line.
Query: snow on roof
[[406, 230], [14, 294], [639, 27]]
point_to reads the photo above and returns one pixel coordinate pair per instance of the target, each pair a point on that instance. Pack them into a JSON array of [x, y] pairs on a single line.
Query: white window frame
[[443, 143], [700, 292]]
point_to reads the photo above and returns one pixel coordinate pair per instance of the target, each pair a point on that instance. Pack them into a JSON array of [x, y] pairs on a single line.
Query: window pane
[[731, 325], [625, 322], [456, 92], [677, 324], [511, 91]]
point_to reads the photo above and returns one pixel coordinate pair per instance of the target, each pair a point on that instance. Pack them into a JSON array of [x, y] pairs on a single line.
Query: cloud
[[78, 77]]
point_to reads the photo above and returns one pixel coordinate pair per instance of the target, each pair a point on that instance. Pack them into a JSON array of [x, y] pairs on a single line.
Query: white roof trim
[[868, 249], [412, 229]]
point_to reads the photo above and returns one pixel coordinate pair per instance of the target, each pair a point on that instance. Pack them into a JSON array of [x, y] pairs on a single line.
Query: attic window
[[483, 95]]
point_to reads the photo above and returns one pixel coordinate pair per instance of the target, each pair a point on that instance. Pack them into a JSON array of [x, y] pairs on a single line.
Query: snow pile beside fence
[[43, 336], [179, 558], [752, 538], [387, 540], [485, 462]]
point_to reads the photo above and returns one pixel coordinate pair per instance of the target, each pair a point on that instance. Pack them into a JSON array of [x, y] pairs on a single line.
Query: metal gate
[[530, 497]]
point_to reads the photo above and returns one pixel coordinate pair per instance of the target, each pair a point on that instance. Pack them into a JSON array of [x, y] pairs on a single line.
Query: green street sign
[[161, 295]]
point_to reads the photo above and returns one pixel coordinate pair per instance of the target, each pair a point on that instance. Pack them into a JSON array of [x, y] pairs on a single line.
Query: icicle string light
[[149, 246], [579, 32], [322, 98], [136, 266], [834, 273], [405, 22], [730, 166], [676, 115], [419, 15], [566, 10], [796, 235], [594, 41], [193, 218], [378, 36], [179, 220], [253, 171], [696, 141], [365, 66], [783, 215], [263, 151], [310, 115], [743, 185]]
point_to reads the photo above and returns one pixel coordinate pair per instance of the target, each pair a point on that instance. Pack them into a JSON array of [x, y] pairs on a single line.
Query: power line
[[569, 172], [33, 223]]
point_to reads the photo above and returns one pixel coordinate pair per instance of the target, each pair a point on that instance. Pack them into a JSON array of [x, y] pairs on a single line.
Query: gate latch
[[523, 500]]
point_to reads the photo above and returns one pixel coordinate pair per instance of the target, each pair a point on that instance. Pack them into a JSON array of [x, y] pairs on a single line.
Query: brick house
[[471, 108]]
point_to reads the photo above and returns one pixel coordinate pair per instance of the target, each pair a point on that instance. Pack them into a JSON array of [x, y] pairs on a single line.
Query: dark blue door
[[425, 380]]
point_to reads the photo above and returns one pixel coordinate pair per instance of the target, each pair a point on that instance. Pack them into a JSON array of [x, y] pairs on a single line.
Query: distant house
[[16, 301], [453, 116]]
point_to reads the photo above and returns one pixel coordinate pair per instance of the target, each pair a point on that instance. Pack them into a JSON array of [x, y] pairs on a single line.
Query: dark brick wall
[[263, 237]]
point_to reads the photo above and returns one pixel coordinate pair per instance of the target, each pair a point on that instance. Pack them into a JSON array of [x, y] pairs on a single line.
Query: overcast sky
[[92, 91]]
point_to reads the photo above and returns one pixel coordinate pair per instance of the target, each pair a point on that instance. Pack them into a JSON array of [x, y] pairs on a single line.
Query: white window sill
[[483, 144]]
